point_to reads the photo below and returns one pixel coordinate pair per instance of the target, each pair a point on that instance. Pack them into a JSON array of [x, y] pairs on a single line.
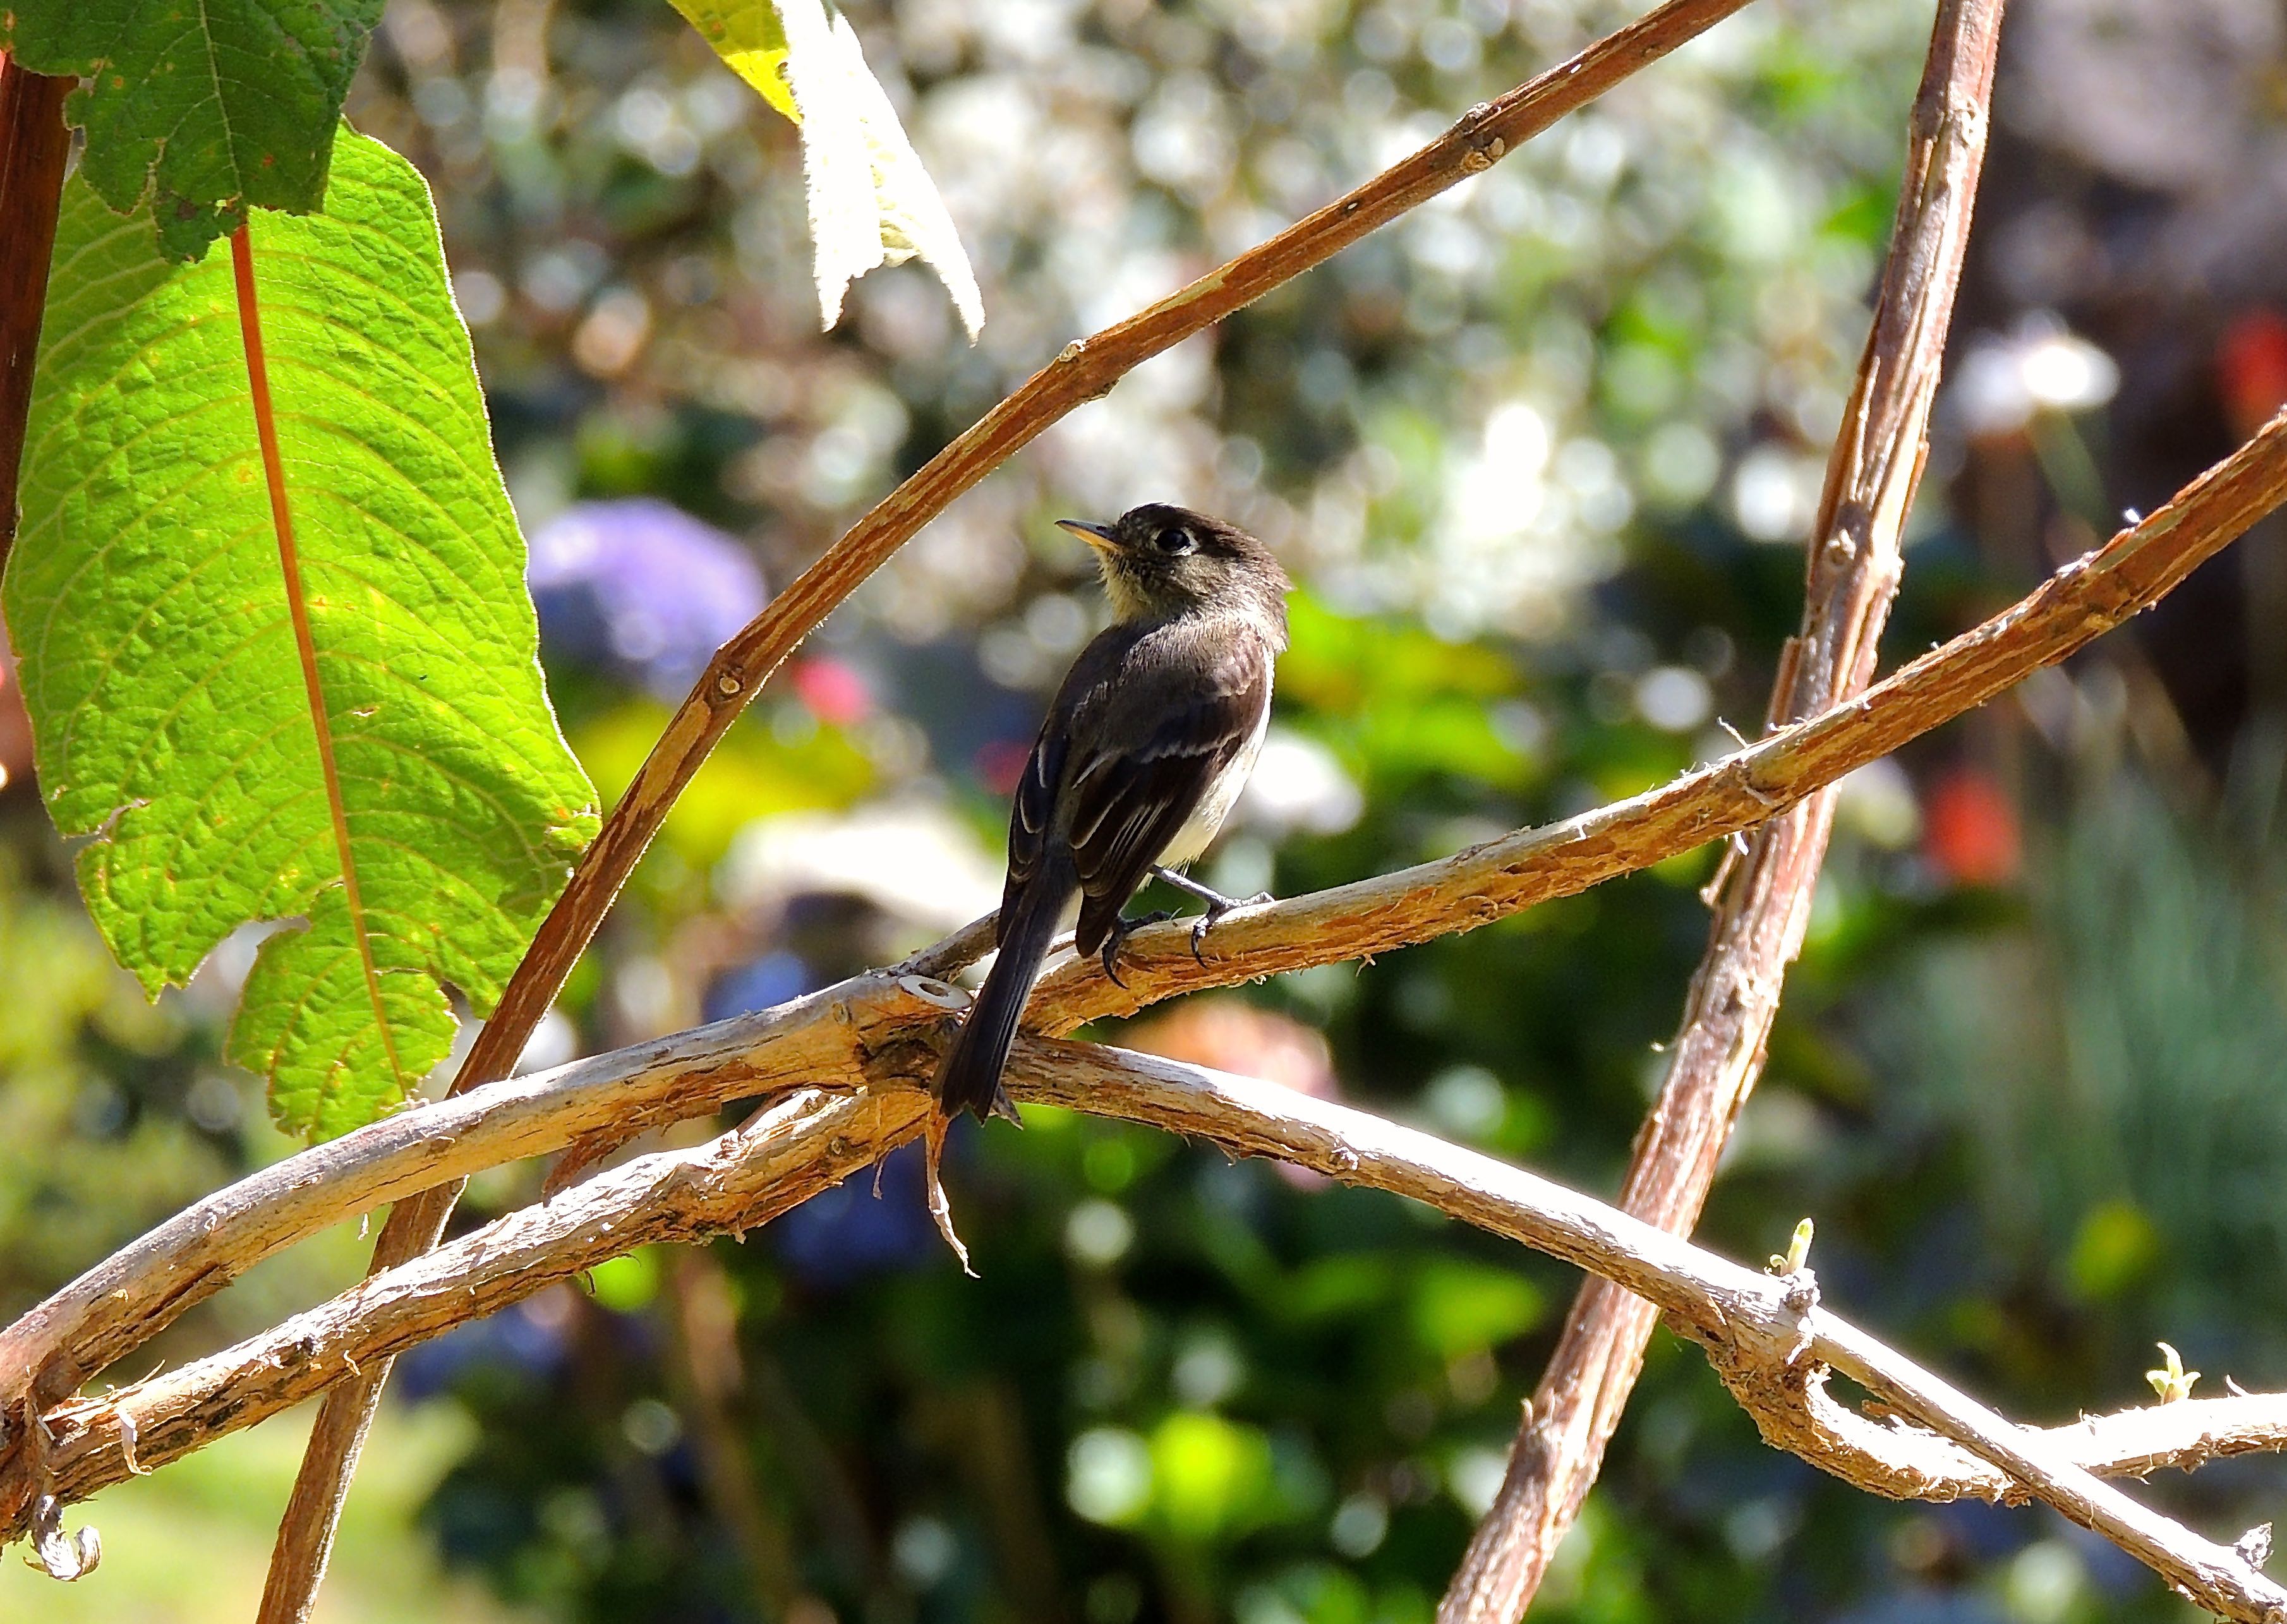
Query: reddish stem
[[34, 145]]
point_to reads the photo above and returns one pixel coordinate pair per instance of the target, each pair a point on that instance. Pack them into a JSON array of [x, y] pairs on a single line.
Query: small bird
[[1142, 754]]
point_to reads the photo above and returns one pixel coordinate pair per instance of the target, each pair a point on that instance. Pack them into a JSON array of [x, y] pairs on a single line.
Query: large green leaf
[[208, 108], [160, 662]]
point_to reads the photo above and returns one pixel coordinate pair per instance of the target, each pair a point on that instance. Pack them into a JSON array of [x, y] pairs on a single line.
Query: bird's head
[[1159, 561]]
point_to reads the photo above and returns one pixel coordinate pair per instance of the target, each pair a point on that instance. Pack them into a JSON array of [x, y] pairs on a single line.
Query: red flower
[[1969, 830]]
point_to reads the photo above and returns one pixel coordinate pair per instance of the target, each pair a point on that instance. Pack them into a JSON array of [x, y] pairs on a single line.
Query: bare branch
[[1765, 1335], [123, 1301], [1763, 894], [1884, 1457], [1086, 369], [803, 1144]]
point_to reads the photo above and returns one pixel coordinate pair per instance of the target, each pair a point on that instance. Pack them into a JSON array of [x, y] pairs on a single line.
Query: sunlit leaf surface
[[161, 665]]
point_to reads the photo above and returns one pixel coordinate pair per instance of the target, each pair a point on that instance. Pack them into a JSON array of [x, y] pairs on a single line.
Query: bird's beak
[[1097, 536]]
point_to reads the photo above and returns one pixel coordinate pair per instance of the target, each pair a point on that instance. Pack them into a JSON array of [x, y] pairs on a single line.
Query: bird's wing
[[1126, 805], [1033, 811]]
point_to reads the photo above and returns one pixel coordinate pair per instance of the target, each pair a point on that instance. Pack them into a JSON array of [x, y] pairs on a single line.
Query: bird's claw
[[1214, 911], [1117, 938]]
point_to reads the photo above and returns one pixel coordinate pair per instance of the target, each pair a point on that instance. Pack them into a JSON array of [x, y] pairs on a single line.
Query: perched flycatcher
[[1144, 750]]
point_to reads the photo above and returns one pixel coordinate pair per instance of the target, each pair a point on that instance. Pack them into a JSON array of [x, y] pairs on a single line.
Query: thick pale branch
[[1764, 895], [1761, 1331], [2217, 1577], [125, 1300], [804, 1144], [1766, 1336]]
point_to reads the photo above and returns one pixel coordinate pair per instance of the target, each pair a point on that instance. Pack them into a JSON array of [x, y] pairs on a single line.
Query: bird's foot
[[1217, 904], [1215, 910], [1121, 929]]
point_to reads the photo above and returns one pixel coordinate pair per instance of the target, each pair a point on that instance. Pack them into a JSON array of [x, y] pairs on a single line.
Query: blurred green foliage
[[99, 1140], [190, 1545]]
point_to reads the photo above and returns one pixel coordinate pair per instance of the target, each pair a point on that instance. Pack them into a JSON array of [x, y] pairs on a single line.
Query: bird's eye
[[1178, 539]]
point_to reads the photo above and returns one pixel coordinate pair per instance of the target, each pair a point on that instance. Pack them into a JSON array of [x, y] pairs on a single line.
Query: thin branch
[[1763, 893], [1763, 1334], [1085, 370], [869, 1023], [1881, 1455]]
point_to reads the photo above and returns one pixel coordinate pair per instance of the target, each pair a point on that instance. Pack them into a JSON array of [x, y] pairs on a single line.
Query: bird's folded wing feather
[[1126, 805], [1031, 813]]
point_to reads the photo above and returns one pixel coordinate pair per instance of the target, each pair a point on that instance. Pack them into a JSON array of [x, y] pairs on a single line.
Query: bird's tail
[[969, 1080]]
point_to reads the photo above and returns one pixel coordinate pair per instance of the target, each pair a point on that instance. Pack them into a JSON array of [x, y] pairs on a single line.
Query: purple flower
[[641, 587]]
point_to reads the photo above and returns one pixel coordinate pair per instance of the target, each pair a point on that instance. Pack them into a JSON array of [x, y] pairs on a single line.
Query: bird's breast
[[1223, 792]]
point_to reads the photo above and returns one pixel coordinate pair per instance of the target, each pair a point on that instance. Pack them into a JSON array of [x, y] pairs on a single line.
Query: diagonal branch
[[1764, 891], [1086, 369], [866, 1024], [1766, 1337]]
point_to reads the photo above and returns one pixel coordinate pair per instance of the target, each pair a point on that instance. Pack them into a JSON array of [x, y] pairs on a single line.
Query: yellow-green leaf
[[747, 34]]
